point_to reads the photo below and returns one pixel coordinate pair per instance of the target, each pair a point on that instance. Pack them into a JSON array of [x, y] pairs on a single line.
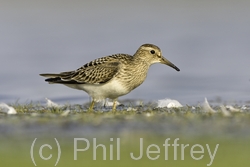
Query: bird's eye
[[152, 52]]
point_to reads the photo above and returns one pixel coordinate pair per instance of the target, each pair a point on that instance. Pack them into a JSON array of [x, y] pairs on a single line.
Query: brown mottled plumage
[[112, 76]]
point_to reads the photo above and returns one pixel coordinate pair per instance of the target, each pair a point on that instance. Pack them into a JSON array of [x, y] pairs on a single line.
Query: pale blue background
[[208, 40]]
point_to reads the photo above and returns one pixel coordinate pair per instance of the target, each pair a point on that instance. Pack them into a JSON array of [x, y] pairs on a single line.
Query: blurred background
[[208, 40]]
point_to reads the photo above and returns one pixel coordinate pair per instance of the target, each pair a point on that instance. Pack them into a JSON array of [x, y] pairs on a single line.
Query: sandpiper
[[112, 76]]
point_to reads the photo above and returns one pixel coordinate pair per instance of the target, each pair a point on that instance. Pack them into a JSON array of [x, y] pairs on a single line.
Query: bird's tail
[[62, 78], [62, 74], [52, 78], [47, 75]]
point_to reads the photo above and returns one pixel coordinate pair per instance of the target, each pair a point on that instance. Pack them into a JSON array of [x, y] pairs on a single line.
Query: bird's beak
[[167, 62]]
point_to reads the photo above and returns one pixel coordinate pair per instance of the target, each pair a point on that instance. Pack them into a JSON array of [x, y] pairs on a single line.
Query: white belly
[[112, 89]]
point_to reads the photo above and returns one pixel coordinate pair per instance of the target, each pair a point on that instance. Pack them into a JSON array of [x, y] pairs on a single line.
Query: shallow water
[[207, 40]]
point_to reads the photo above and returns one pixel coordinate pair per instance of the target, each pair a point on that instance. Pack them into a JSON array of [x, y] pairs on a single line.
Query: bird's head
[[152, 54]]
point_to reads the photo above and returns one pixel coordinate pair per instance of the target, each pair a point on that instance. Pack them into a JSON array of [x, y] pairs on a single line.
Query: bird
[[111, 76]]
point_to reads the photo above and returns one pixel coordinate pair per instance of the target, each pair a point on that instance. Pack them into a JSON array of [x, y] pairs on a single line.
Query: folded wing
[[96, 72]]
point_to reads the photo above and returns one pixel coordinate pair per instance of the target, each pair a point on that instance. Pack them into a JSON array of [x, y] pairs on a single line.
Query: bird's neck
[[138, 60], [135, 73]]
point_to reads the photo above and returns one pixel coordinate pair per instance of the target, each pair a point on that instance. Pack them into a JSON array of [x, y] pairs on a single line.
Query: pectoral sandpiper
[[112, 76]]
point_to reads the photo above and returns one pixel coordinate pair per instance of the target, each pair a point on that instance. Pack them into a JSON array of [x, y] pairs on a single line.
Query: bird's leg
[[92, 105], [114, 105], [105, 102]]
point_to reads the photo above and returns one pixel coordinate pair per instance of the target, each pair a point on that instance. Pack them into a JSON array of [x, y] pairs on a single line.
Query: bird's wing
[[93, 74]]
